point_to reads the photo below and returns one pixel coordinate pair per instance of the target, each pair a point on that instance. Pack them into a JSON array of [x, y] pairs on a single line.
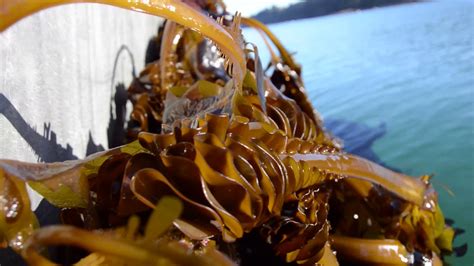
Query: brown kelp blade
[[375, 251], [17, 221], [64, 184], [405, 187], [113, 247]]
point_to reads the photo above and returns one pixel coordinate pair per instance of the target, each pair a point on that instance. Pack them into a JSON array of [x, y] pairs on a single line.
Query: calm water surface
[[408, 69]]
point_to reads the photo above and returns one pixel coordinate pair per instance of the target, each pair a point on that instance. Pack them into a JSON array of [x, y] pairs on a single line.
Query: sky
[[252, 7]]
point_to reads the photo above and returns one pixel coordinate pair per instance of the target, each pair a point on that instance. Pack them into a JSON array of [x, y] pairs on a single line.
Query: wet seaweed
[[220, 153]]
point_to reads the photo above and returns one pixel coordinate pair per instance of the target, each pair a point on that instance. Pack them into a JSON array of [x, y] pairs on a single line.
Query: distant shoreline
[[318, 8]]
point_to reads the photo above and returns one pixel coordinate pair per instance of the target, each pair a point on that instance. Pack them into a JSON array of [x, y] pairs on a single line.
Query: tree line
[[315, 8]]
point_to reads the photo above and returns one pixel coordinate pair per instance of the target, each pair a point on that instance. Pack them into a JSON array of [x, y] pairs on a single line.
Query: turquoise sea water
[[408, 72]]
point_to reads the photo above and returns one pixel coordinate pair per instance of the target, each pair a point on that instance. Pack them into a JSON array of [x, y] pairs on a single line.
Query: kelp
[[126, 245], [219, 150], [17, 222]]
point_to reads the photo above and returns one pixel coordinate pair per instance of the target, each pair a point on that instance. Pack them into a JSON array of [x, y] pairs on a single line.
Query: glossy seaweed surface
[[224, 163]]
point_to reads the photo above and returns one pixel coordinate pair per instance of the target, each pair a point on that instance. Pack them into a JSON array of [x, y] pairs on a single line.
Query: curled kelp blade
[[208, 151], [302, 236], [310, 148], [198, 220], [336, 163]]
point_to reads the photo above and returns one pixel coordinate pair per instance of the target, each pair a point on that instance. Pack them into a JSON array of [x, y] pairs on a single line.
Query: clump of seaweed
[[219, 151]]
